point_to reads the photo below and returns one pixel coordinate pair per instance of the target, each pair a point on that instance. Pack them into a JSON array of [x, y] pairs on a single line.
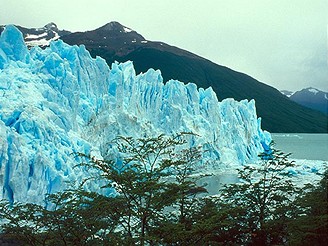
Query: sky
[[282, 43]]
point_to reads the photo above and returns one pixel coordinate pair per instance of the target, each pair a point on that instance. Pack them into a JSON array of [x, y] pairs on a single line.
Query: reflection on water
[[303, 146]]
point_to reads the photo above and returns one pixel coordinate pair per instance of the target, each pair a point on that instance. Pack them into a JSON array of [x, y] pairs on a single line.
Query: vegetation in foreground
[[158, 202]]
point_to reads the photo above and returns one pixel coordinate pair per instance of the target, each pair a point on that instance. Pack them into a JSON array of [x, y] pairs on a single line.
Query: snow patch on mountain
[[59, 101], [35, 36], [312, 90], [41, 42], [287, 93], [126, 30]]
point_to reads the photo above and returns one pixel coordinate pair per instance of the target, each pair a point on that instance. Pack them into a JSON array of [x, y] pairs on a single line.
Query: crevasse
[[59, 101]]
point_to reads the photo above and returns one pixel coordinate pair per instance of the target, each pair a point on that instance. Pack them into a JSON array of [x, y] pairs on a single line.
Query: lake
[[303, 146]]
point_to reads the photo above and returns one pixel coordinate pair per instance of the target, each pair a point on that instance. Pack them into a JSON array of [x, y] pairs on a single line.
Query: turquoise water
[[303, 146]]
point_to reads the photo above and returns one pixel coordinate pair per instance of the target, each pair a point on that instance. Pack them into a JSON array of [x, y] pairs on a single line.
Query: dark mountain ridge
[[115, 42]]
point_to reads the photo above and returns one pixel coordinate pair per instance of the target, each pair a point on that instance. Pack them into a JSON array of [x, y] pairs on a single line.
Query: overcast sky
[[282, 43]]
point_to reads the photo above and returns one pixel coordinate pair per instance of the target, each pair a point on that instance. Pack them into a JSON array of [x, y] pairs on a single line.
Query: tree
[[152, 177], [76, 218], [264, 198], [155, 191], [23, 222], [158, 202], [311, 224]]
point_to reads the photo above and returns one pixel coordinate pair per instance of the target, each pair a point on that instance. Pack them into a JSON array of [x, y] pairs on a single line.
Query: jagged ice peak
[[59, 101]]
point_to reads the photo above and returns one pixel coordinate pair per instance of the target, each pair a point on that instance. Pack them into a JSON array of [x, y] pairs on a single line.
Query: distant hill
[[311, 98], [115, 42]]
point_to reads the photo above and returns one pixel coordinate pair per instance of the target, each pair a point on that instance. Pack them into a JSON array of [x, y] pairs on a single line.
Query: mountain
[[115, 42], [312, 98], [40, 36], [59, 101]]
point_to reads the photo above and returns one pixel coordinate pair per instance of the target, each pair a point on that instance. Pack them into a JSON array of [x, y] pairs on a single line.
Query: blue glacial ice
[[59, 101]]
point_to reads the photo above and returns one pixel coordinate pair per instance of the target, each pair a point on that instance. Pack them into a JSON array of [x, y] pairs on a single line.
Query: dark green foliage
[[77, 218], [264, 198], [146, 184], [159, 203], [23, 222], [311, 225]]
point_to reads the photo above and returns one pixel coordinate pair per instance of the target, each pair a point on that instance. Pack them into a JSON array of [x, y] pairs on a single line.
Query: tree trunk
[[143, 229]]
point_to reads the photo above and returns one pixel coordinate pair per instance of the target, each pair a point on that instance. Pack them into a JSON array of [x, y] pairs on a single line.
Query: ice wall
[[60, 101]]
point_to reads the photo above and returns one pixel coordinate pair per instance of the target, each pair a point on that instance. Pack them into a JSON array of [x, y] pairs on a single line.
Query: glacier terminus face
[[58, 101]]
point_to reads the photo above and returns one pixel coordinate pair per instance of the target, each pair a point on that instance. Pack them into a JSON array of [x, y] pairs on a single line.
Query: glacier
[[58, 101]]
